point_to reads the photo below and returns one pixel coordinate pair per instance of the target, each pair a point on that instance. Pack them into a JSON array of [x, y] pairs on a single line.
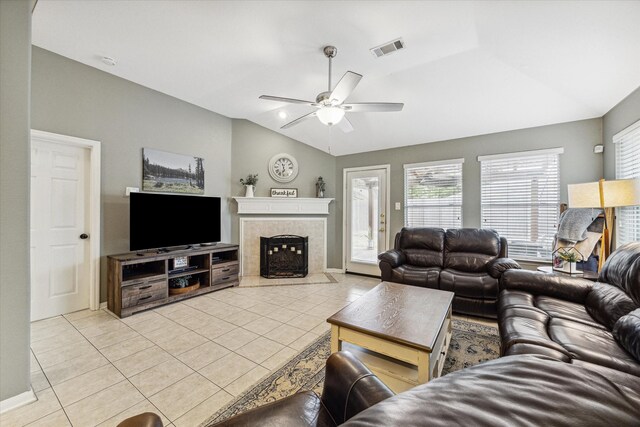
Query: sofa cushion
[[562, 309], [470, 249], [622, 269], [422, 247], [627, 332], [426, 277], [526, 348], [473, 285], [607, 304], [593, 345], [526, 325]]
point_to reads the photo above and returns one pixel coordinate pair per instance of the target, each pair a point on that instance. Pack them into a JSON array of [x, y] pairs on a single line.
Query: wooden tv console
[[138, 281]]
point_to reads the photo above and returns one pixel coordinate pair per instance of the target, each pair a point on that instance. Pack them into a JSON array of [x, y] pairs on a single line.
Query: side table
[[589, 275]]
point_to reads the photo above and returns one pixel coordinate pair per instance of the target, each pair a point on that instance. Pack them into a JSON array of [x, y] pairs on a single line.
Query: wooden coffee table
[[401, 332]]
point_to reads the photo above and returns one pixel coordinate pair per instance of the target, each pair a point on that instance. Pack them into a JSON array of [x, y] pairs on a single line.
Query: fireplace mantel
[[283, 206]]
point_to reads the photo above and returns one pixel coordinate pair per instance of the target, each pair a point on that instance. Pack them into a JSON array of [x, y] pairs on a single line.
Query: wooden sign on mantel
[[284, 192]]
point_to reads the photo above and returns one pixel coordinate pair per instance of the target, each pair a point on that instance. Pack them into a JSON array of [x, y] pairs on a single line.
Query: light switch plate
[[398, 206], [129, 190]]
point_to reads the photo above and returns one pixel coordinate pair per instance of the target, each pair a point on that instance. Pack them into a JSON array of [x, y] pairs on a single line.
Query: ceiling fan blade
[[345, 125], [299, 120], [373, 107], [288, 100], [345, 86]]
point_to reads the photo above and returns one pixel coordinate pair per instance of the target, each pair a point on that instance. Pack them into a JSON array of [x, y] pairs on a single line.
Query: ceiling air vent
[[387, 48]]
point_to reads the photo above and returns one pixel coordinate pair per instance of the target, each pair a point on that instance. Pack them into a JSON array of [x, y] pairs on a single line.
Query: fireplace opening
[[284, 256]]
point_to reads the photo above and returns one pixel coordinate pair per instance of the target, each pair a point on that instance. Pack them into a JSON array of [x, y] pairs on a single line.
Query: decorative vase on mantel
[[320, 185], [248, 190]]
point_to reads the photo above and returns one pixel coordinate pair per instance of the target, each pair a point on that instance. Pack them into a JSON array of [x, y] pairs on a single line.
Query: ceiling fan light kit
[[330, 104], [330, 115]]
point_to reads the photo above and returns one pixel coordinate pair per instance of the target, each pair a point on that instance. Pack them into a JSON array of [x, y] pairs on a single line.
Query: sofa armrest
[[393, 257], [147, 419], [568, 288], [350, 387], [499, 265]]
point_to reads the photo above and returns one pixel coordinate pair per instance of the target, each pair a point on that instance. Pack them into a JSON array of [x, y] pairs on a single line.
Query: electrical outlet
[[398, 206]]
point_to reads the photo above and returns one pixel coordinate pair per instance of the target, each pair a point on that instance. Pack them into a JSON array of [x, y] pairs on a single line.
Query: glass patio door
[[366, 222]]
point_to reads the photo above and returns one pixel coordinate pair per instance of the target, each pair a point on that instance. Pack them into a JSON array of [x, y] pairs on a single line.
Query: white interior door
[[366, 218], [60, 261]]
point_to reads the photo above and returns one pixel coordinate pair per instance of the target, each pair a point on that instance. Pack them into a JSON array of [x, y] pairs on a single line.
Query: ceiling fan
[[330, 105]]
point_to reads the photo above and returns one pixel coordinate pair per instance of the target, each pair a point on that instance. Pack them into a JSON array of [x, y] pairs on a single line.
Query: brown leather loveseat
[[574, 320], [466, 261]]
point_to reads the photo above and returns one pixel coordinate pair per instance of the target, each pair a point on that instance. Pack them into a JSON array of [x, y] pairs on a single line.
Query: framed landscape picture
[[172, 173]]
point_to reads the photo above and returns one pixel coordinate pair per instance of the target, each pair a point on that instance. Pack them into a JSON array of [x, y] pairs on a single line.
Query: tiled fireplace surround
[[265, 216]]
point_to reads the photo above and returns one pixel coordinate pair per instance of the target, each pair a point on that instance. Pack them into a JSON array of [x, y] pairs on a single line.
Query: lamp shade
[[616, 193], [330, 115]]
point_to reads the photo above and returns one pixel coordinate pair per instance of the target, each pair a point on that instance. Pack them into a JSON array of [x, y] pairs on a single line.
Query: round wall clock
[[283, 167]]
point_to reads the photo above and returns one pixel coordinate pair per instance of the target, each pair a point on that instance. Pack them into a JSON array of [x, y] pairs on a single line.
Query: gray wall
[[253, 147], [626, 113], [577, 164], [15, 63], [70, 98]]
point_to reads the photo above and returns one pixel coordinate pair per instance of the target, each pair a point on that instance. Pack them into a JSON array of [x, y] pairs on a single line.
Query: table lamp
[[605, 195]]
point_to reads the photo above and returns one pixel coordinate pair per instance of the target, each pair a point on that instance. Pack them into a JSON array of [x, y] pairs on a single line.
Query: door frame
[[387, 212], [93, 204]]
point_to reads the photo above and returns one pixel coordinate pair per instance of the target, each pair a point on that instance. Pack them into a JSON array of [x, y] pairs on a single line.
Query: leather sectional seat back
[[423, 247], [470, 249], [574, 320], [466, 261]]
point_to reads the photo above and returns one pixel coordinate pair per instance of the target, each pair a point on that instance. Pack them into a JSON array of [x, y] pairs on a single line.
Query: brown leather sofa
[[514, 390], [466, 261], [574, 320], [511, 391]]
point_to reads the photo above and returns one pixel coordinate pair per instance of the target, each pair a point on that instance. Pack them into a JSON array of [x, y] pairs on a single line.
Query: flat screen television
[[162, 220]]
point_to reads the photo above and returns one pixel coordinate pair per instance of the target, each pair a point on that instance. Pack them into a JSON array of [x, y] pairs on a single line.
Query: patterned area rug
[[471, 343]]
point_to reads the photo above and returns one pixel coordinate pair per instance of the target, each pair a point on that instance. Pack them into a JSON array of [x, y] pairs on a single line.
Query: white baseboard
[[335, 270], [103, 305], [17, 401]]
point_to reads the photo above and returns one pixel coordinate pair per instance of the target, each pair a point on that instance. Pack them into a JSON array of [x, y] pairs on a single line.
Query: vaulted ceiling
[[469, 68]]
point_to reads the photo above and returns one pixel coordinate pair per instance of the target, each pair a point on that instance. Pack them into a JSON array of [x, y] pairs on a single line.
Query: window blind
[[433, 194], [520, 196], [627, 155]]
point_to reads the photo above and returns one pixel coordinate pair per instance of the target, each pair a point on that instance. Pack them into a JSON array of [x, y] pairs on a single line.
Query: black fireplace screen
[[284, 256]]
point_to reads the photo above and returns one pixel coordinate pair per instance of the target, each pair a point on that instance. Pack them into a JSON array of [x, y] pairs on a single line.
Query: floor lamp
[[605, 195]]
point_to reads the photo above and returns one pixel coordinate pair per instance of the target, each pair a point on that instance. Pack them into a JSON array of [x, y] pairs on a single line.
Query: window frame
[[554, 196], [449, 162], [619, 140]]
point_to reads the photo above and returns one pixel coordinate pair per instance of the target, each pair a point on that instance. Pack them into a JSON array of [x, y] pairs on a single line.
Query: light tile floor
[[183, 361]]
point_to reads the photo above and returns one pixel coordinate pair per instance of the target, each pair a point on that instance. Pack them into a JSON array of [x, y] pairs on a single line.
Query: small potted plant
[[568, 255], [320, 186], [249, 184]]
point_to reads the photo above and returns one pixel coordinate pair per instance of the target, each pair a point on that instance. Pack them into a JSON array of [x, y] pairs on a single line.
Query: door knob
[[84, 236]]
